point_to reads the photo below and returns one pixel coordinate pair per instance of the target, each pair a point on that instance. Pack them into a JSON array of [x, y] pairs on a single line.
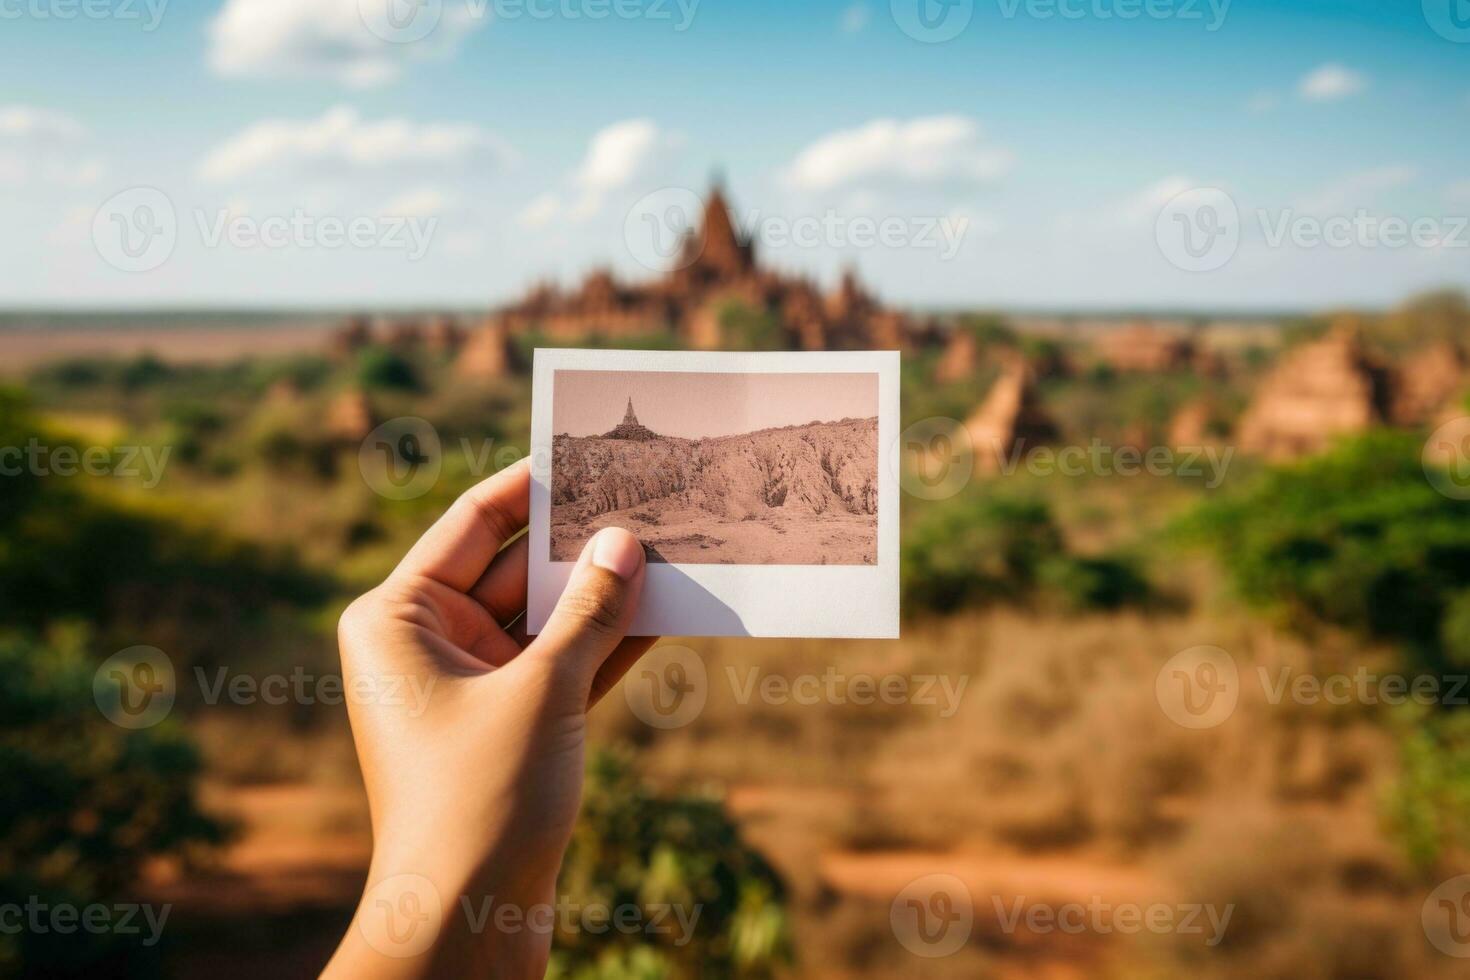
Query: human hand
[[474, 783]]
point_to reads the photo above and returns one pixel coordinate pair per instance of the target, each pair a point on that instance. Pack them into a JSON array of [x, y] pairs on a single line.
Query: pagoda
[[631, 428]]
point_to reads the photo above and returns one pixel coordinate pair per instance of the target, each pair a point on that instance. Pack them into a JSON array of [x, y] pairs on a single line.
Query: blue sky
[[1050, 138]]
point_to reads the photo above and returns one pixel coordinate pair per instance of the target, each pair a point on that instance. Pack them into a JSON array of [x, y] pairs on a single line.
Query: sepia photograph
[[713, 468]]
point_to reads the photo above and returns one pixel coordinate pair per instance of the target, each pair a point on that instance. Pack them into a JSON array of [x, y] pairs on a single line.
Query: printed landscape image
[[739, 469]]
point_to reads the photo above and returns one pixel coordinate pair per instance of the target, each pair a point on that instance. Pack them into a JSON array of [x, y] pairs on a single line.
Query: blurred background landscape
[[1181, 293]]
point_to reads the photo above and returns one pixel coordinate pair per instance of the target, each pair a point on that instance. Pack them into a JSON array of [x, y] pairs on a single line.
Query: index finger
[[458, 548]]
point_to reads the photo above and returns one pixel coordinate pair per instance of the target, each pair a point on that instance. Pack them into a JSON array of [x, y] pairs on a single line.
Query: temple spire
[[629, 418]]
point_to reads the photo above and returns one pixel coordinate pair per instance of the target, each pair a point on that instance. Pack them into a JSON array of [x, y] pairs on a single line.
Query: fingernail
[[617, 551]]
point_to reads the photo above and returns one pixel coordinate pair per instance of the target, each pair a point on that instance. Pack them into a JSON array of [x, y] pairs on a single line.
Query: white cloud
[[44, 146], [422, 202], [1329, 82], [30, 123], [927, 150], [341, 138], [540, 211], [1145, 205], [617, 156], [1459, 192], [325, 39], [1356, 190], [854, 18]]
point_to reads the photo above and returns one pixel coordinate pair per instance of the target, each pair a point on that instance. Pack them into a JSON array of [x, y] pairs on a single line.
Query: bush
[[378, 367], [1428, 807], [632, 848], [1356, 538], [83, 805], [975, 550]]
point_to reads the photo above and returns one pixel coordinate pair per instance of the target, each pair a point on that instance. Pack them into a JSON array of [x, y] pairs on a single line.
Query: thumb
[[594, 612]]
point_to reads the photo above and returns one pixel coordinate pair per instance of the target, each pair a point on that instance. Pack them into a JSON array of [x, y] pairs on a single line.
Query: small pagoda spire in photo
[[631, 428]]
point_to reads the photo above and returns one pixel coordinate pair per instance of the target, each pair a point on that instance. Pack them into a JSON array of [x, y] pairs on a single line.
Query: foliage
[[986, 548], [1428, 807], [83, 805], [378, 367], [1357, 538], [632, 848], [745, 328]]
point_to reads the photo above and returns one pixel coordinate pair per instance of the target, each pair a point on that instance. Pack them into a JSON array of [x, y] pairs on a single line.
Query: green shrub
[[974, 550], [1081, 584], [636, 849], [1357, 538], [83, 805], [1428, 807], [378, 367]]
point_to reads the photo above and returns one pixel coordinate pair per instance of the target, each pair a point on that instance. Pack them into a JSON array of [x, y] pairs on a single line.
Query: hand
[[471, 740]]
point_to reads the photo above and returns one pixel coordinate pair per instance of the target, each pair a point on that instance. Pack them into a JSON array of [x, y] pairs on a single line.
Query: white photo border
[[844, 601]]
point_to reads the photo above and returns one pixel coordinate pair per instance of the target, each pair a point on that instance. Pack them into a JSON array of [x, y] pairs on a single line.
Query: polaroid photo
[[764, 486]]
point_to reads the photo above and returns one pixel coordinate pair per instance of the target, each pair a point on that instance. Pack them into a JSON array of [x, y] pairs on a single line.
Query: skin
[[474, 789]]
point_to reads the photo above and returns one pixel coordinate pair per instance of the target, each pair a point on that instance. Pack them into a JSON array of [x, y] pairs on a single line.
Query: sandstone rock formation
[[1145, 349], [1010, 415], [960, 358], [804, 494], [1426, 382], [350, 416], [1318, 392], [485, 354]]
